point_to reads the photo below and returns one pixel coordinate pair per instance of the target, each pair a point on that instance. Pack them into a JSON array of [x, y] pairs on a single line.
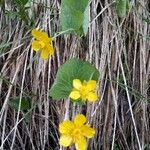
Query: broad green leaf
[[128, 5], [73, 16], [121, 7], [72, 69], [86, 20], [75, 4], [71, 19], [14, 103]]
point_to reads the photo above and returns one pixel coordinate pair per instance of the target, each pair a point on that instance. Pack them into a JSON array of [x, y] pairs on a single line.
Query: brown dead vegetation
[[119, 48]]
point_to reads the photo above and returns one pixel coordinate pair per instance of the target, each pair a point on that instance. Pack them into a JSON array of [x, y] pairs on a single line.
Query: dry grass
[[120, 49]]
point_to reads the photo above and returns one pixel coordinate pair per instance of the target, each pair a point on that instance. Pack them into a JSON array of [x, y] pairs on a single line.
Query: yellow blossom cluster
[[85, 90], [42, 43], [75, 132]]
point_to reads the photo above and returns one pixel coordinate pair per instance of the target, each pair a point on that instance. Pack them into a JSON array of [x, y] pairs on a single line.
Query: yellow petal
[[79, 120], [87, 131], [77, 84], [44, 53], [42, 44], [66, 127], [75, 95], [92, 96], [39, 35], [50, 49], [65, 140], [36, 45], [91, 85], [81, 143]]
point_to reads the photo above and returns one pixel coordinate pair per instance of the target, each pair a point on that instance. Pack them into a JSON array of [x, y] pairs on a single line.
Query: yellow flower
[[85, 90], [75, 132], [43, 43]]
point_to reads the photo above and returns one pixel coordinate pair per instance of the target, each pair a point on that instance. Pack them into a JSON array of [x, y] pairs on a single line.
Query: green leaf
[[86, 20], [128, 5], [121, 7], [72, 69], [20, 3], [71, 19], [73, 16], [14, 103], [78, 102], [75, 4]]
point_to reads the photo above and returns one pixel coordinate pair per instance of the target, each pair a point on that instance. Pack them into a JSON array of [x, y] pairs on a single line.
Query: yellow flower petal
[[75, 95], [92, 96], [65, 140], [77, 84], [66, 127], [44, 53], [87, 131], [42, 44], [35, 45], [91, 85], [50, 49], [79, 120], [81, 143], [39, 35]]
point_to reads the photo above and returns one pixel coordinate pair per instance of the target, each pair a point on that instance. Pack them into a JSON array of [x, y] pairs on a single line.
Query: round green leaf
[[72, 69], [73, 16]]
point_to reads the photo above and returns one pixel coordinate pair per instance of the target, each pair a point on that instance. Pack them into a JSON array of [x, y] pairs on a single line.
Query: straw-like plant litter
[[74, 75]]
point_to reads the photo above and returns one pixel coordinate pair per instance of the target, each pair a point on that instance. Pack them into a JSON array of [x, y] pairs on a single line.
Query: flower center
[[42, 44], [76, 133], [84, 91]]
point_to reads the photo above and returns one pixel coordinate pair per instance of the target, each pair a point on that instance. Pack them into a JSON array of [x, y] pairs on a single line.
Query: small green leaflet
[[14, 103], [122, 7], [75, 16], [70, 70], [25, 106]]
